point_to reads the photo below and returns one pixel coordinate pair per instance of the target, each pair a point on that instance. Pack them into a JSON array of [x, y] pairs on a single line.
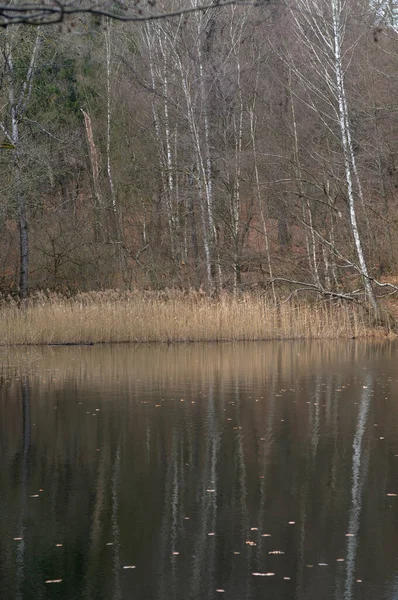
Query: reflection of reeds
[[173, 316]]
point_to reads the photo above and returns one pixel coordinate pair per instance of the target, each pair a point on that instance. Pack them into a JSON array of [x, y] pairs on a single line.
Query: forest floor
[[175, 316]]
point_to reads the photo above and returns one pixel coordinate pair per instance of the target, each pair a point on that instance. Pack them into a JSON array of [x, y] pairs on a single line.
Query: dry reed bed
[[173, 316]]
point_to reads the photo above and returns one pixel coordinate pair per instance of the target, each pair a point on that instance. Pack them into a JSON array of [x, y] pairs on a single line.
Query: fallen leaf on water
[[129, 567], [263, 574], [53, 581]]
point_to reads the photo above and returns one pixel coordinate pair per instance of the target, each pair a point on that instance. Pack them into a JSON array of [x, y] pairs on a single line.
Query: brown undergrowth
[[175, 316]]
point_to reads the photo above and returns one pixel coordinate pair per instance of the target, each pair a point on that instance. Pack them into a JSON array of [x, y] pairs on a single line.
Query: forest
[[240, 148]]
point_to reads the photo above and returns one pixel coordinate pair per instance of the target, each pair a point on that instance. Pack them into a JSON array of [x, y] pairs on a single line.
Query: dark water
[[250, 471]]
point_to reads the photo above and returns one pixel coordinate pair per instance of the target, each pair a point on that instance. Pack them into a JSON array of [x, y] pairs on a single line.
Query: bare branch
[[48, 14], [312, 287]]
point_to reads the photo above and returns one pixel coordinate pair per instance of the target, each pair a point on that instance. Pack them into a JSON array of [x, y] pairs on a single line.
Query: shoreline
[[174, 316]]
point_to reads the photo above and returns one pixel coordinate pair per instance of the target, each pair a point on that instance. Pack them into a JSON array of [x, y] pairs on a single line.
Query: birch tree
[[11, 123], [320, 27]]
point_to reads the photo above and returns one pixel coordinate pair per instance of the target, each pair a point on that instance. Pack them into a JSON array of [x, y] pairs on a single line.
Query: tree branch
[[48, 14]]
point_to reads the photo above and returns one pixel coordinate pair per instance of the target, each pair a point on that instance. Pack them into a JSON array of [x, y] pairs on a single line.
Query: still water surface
[[196, 472]]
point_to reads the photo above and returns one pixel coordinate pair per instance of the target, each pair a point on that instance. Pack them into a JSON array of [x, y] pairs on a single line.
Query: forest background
[[238, 148]]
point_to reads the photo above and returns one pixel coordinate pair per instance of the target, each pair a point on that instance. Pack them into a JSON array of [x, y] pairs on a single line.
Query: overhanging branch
[[58, 11]]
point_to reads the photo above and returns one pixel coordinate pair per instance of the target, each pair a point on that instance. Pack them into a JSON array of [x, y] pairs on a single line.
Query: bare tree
[[320, 26], [19, 94]]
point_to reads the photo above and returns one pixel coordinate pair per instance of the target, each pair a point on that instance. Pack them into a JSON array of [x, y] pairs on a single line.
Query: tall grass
[[173, 316]]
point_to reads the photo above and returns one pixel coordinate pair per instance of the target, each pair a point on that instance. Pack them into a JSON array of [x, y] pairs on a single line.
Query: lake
[[231, 471]]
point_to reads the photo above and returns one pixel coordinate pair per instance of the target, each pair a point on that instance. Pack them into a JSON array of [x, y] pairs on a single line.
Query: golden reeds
[[173, 316]]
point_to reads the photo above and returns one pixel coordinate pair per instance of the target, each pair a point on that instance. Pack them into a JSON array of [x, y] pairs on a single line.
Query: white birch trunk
[[258, 197], [108, 27], [349, 157]]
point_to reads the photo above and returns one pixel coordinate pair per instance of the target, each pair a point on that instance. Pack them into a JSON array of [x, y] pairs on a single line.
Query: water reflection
[[242, 471], [360, 461]]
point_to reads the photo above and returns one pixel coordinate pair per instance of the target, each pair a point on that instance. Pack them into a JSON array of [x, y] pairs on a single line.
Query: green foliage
[[58, 95]]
